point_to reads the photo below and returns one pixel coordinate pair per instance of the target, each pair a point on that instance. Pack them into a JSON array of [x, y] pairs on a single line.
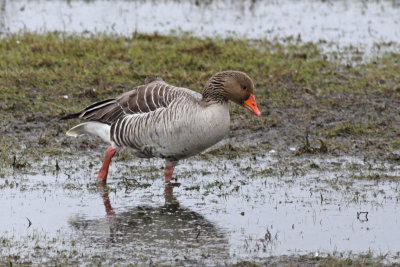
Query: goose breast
[[182, 129]]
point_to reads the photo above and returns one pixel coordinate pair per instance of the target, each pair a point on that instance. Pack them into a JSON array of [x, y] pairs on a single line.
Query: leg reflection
[[104, 190], [145, 229], [170, 200]]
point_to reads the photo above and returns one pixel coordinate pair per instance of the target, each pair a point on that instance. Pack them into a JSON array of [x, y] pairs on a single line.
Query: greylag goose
[[160, 120]]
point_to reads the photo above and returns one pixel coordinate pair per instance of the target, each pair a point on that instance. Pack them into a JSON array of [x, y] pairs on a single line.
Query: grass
[[396, 144], [54, 74]]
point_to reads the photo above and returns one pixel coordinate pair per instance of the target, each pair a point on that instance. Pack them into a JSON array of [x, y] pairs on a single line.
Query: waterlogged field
[[221, 210], [314, 181]]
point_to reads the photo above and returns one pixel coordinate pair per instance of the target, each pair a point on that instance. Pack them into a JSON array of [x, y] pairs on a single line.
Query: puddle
[[224, 211], [336, 24]]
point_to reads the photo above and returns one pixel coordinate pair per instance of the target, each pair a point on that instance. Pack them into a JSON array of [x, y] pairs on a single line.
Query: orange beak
[[251, 105]]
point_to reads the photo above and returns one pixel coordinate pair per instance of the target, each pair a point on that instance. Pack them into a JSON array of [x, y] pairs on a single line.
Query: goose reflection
[[169, 229]]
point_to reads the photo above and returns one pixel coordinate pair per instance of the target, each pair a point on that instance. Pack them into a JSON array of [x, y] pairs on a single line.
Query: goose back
[[145, 98]]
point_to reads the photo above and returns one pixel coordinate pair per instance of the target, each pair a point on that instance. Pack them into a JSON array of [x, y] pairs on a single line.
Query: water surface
[[360, 24], [224, 211]]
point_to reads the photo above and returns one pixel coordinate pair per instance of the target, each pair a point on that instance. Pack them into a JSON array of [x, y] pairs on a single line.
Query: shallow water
[[360, 24], [223, 211]]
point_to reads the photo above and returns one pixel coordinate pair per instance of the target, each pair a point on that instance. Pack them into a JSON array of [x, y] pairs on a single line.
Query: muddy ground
[[326, 150]]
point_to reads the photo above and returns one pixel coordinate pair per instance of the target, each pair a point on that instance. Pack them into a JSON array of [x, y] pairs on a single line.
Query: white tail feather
[[99, 129]]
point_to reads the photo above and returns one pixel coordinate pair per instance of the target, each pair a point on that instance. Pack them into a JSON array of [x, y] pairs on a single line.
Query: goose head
[[231, 85]]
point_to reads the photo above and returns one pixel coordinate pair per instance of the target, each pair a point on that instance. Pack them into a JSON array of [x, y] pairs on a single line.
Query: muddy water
[[359, 24], [223, 211]]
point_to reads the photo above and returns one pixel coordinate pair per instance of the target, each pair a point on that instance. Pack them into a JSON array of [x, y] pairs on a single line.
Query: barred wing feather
[[153, 95]]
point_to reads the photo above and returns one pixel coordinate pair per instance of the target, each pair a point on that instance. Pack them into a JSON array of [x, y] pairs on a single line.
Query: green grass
[[349, 129], [38, 71], [396, 144]]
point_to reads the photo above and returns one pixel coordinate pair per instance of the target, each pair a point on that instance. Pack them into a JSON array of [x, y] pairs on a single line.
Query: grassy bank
[[301, 93], [38, 70]]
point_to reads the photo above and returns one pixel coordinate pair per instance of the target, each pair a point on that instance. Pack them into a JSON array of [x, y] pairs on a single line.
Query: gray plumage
[[160, 120]]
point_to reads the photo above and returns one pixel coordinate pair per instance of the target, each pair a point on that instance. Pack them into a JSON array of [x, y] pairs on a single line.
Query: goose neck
[[214, 93]]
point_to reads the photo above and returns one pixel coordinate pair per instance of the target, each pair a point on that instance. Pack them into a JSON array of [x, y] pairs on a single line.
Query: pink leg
[[168, 173], [103, 172]]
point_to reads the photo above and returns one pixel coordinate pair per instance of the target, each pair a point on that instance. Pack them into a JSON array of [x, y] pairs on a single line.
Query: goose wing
[[154, 94]]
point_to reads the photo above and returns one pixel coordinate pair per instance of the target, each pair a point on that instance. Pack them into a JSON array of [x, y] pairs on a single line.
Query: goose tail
[[99, 129]]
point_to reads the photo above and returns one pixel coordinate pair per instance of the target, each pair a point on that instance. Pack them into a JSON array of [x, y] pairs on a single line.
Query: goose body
[[160, 120]]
